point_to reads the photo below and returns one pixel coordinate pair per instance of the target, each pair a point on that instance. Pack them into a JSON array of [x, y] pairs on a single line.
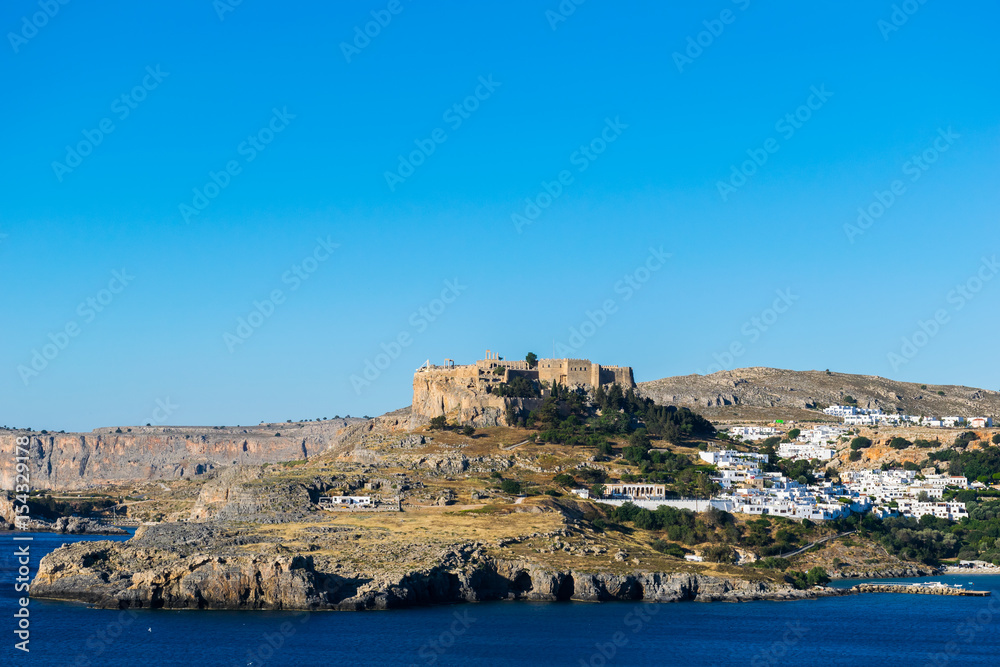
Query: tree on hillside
[[532, 359], [860, 442]]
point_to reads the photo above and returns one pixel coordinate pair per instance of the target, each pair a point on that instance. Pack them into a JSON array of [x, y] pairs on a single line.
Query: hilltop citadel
[[466, 392]]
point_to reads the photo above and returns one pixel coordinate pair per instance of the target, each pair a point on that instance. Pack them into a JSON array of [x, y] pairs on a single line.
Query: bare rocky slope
[[777, 388], [209, 566]]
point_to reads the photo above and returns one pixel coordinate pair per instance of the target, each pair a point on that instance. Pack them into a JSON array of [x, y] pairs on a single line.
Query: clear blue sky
[[673, 128]]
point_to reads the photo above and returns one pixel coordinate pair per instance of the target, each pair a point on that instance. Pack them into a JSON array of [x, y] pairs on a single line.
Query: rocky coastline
[[71, 525], [123, 575], [897, 571]]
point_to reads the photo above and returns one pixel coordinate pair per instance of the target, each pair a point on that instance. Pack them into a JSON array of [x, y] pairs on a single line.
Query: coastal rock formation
[[159, 568], [885, 572], [6, 511]]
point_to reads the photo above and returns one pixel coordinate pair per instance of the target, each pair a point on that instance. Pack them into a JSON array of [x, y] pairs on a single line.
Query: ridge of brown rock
[[762, 387]]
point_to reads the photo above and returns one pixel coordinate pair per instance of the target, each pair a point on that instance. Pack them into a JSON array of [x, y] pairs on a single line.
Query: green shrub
[[668, 548], [562, 479], [510, 486], [860, 442]]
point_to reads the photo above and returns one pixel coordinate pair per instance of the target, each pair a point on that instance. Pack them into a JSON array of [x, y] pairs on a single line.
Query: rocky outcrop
[[6, 511], [460, 394], [80, 460], [898, 571], [155, 570], [240, 493], [773, 387]]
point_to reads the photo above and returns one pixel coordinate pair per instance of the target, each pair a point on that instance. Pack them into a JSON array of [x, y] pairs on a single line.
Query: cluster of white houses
[[855, 416], [747, 489]]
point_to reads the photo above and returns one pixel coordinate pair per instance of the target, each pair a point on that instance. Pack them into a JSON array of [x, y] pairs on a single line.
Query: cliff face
[[78, 460], [123, 575], [437, 393], [6, 511], [239, 494]]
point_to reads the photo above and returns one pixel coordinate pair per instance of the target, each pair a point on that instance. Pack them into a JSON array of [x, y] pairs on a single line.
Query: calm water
[[881, 630]]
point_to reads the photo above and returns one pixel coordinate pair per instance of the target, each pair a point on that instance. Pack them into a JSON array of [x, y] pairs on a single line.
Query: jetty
[[929, 588]]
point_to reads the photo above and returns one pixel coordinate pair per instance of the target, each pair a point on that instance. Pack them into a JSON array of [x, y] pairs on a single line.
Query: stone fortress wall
[[463, 390]]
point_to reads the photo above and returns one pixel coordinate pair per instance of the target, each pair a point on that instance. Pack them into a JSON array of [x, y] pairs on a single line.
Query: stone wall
[[462, 392]]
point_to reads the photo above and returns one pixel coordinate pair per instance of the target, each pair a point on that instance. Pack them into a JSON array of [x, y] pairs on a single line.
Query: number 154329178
[[22, 484]]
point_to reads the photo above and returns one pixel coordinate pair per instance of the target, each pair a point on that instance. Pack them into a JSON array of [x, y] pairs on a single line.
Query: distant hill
[[815, 390]]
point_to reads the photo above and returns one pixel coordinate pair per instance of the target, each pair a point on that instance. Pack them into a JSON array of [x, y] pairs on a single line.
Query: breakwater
[[917, 589]]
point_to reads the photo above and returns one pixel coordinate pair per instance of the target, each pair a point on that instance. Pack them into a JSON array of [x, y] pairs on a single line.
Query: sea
[[874, 629]]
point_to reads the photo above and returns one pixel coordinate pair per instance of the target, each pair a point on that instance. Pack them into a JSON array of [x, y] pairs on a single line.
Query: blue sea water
[[876, 629]]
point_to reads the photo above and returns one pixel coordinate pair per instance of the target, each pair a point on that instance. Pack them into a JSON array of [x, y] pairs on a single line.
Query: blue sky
[[645, 111]]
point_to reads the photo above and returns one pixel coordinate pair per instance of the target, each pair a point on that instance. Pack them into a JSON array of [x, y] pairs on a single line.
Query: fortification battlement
[[568, 372]]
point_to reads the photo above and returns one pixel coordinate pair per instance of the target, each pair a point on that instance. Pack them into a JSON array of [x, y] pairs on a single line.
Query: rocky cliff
[[773, 387], [460, 396], [79, 460], [6, 511], [141, 573], [239, 493]]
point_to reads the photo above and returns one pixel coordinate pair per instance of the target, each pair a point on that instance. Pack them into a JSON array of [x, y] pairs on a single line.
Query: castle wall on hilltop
[[464, 391]]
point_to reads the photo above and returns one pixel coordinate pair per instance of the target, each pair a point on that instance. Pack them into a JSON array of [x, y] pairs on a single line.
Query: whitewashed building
[[753, 432]]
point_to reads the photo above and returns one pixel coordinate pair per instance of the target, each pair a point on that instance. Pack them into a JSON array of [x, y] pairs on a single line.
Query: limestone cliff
[[79, 460], [460, 394], [6, 511]]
